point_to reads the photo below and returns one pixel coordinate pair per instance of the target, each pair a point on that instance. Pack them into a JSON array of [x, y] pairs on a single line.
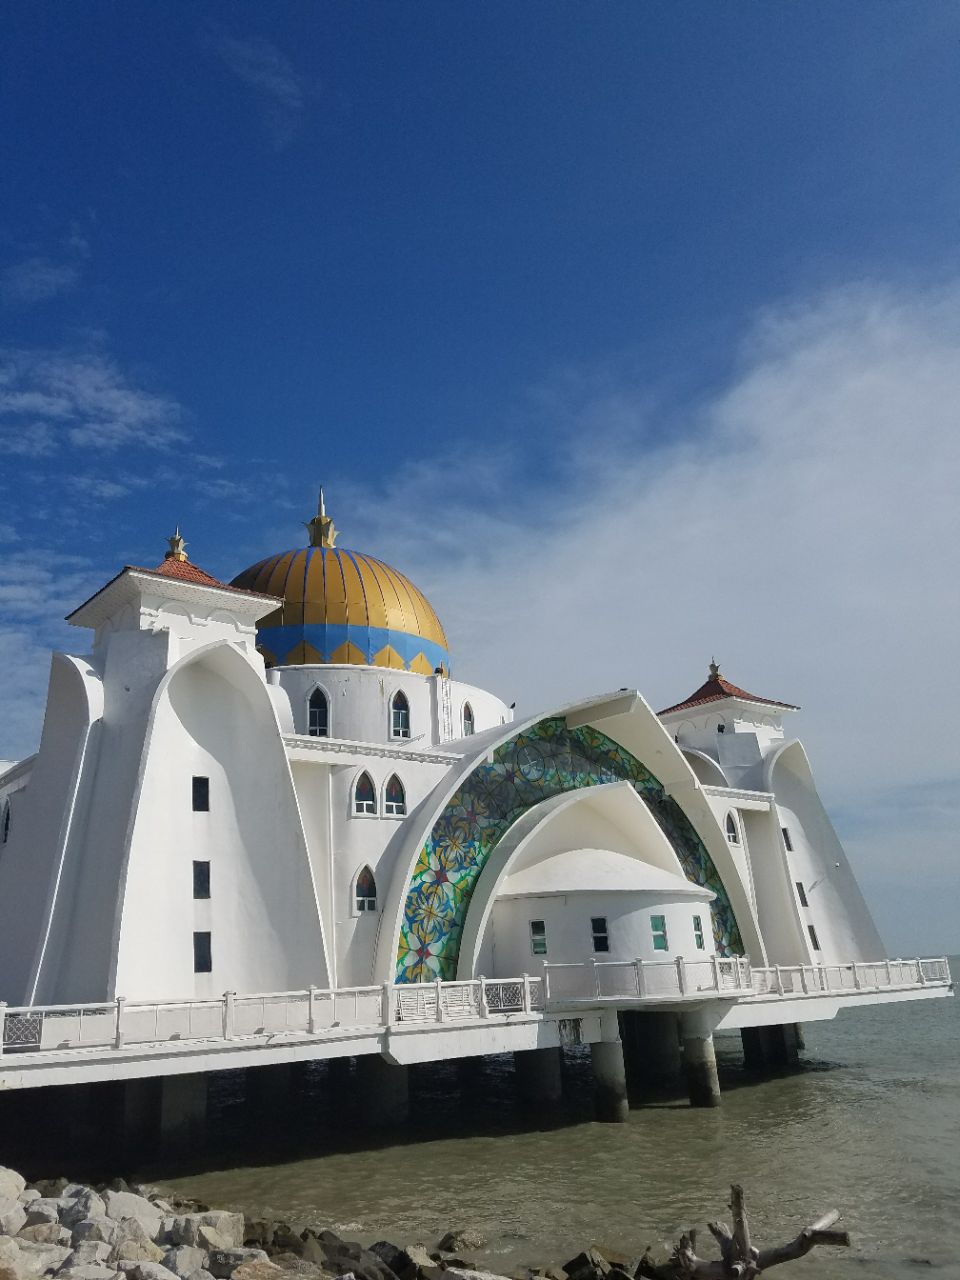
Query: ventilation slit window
[[802, 895], [814, 940], [201, 795], [202, 953], [786, 840], [201, 879]]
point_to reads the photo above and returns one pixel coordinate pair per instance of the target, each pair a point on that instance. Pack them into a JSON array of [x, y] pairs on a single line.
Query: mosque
[[279, 783]]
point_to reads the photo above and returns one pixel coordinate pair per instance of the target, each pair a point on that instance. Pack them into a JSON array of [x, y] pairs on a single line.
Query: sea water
[[869, 1124]]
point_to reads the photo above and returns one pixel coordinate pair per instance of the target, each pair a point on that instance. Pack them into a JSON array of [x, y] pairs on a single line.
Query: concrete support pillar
[[270, 1088], [538, 1076], [385, 1090], [610, 1081], [652, 1048], [781, 1044], [183, 1112], [140, 1114], [700, 1062]]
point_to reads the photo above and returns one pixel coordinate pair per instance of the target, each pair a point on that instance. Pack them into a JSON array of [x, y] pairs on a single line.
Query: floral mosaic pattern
[[544, 761]]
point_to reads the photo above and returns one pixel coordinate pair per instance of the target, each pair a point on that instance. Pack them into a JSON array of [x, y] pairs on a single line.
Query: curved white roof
[[596, 871]]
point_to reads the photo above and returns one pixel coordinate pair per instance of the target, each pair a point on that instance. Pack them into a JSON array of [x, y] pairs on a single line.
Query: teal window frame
[[698, 933], [658, 925], [538, 938]]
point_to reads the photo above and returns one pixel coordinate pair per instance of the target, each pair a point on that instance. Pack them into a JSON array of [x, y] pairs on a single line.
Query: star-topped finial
[[714, 669], [177, 545], [322, 530]]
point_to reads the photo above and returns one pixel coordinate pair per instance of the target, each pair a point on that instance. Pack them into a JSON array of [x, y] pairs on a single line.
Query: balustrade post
[[889, 974], [484, 1007], [596, 976], [681, 976], [546, 982], [921, 977], [389, 1013], [641, 979], [857, 981], [312, 1010], [3, 1017], [779, 976], [526, 993], [118, 1024], [803, 979], [439, 986], [716, 971], [228, 1014]]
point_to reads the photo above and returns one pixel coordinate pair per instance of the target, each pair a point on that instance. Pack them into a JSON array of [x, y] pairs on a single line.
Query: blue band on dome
[[327, 638]]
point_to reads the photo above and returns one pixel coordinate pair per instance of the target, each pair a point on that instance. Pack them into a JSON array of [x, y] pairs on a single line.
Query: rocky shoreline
[[72, 1231]]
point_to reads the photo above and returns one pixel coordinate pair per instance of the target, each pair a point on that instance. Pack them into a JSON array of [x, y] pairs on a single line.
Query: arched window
[[400, 716], [366, 891], [733, 831], [365, 796], [5, 823], [468, 724], [721, 727], [319, 715], [395, 798]]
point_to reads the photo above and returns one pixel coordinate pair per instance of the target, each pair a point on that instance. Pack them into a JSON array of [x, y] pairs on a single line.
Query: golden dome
[[341, 606]]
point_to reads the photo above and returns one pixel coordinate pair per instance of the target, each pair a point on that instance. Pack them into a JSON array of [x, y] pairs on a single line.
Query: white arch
[[706, 768], [399, 693], [354, 811], [354, 908], [731, 827], [383, 796], [319, 687]]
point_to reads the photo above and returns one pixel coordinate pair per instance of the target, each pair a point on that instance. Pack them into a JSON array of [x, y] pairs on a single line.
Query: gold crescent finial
[[177, 545], [322, 530]]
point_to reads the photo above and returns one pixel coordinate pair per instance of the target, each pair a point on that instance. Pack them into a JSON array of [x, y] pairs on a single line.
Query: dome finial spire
[[177, 545], [714, 669], [322, 530]]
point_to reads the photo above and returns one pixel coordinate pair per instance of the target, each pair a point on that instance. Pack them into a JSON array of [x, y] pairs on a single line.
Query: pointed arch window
[[366, 891], [733, 831], [468, 721], [319, 724], [400, 716], [395, 798], [365, 796]]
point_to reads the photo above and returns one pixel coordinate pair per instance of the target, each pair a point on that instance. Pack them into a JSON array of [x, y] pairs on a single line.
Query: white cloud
[[803, 525], [36, 280], [281, 90], [80, 398]]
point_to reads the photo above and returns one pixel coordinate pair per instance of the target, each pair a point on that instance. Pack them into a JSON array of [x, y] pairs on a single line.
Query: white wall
[[569, 939]]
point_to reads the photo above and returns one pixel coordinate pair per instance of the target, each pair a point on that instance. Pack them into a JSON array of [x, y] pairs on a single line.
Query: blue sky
[[630, 330]]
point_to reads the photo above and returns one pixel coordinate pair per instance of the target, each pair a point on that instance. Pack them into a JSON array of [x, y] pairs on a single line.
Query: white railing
[[122, 1024], [874, 975], [612, 980]]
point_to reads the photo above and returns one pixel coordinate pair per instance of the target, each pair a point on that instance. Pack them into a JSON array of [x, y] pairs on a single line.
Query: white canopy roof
[[597, 871]]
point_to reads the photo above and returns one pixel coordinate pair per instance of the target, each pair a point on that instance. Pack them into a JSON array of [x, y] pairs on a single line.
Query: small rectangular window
[[698, 932], [659, 926], [814, 940], [801, 893], [601, 938], [201, 879], [786, 839], [538, 938], [202, 953], [201, 795]]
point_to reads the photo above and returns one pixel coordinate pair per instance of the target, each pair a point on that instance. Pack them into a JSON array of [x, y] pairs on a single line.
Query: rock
[[12, 1185], [261, 1269], [146, 1271], [163, 1206], [418, 1253], [467, 1273], [195, 1229], [124, 1204], [44, 1209], [86, 1204], [29, 1195], [87, 1271], [184, 1260], [224, 1262], [590, 1265], [292, 1265], [100, 1228], [458, 1241], [398, 1260], [47, 1233], [40, 1258], [284, 1240], [88, 1253], [13, 1216], [133, 1244], [200, 1275]]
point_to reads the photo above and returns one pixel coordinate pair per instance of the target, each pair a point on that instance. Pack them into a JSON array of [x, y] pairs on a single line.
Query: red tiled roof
[[187, 572], [716, 688]]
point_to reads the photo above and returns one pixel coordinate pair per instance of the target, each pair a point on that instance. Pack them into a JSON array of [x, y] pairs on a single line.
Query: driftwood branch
[[739, 1260]]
